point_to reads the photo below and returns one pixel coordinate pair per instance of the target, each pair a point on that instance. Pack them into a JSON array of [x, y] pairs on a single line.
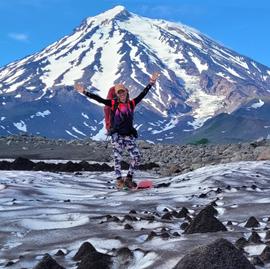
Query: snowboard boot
[[120, 183], [129, 183]]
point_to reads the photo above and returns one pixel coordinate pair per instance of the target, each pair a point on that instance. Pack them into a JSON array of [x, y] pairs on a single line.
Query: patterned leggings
[[120, 143]]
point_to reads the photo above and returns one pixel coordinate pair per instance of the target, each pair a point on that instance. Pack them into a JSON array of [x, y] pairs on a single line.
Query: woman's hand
[[154, 78], [79, 88]]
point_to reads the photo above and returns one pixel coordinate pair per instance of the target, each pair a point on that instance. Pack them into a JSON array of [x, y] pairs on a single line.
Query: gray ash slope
[[47, 212], [199, 80]]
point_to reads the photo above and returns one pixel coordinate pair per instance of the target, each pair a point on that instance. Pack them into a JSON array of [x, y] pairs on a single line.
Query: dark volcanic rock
[[203, 195], [5, 165], [265, 255], [252, 222], [95, 260], [129, 218], [151, 235], [59, 253], [124, 256], [209, 211], [205, 222], [267, 236], [42, 166], [48, 262], [25, 164], [219, 254], [22, 164], [188, 218], [167, 216], [84, 249], [184, 225], [163, 185], [257, 261], [114, 219], [254, 238], [165, 235], [241, 243], [9, 263], [128, 227], [148, 166], [124, 252], [176, 234], [182, 213]]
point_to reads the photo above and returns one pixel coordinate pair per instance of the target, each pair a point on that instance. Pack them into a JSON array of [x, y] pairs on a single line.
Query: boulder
[[95, 260], [252, 222], [48, 262], [124, 257], [265, 255], [5, 165], [241, 242], [85, 249], [254, 238], [167, 216], [257, 261], [22, 164], [182, 213], [205, 222], [218, 254], [60, 253]]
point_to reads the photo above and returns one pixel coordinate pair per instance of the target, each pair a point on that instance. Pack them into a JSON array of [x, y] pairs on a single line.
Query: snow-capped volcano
[[199, 79]]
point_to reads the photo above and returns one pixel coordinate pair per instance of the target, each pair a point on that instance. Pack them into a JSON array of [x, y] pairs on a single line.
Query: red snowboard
[[144, 184]]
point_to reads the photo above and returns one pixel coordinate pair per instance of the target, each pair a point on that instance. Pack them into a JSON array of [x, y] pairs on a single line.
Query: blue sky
[[27, 26]]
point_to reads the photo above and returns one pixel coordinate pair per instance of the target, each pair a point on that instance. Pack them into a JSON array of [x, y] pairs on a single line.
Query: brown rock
[[265, 154]]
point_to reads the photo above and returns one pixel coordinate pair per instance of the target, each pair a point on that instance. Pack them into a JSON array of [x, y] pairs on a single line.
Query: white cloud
[[19, 36]]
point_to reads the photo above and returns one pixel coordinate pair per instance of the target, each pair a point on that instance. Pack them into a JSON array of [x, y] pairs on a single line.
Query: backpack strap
[[114, 105], [131, 104]]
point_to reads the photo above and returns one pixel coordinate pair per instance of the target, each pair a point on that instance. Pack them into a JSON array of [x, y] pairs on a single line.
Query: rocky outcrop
[[166, 159], [25, 164]]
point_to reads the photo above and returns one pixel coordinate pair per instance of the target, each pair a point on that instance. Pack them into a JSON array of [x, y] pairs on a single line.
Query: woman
[[122, 132]]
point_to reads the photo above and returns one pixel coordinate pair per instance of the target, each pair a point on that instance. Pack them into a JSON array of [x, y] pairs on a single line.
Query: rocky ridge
[[171, 159]]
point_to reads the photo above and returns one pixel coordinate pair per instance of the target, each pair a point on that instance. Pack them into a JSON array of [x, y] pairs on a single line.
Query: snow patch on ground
[[39, 215]]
